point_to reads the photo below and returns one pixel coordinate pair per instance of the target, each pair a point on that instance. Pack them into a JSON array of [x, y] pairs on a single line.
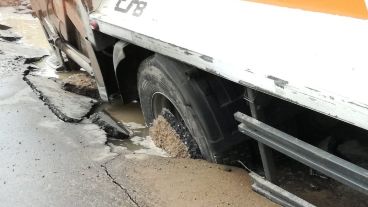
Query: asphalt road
[[45, 161]]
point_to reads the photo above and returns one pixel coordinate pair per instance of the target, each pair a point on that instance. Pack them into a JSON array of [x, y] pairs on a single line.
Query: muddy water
[[32, 34], [26, 26], [130, 115]]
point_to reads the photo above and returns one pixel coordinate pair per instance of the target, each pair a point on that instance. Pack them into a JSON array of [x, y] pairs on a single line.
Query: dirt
[[161, 181], [165, 137], [10, 2], [355, 151], [317, 188], [82, 84], [185, 182], [21, 6]]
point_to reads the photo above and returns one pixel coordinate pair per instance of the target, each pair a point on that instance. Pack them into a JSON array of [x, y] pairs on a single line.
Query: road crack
[[120, 186]]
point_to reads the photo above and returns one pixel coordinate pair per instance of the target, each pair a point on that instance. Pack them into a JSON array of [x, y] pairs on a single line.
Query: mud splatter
[[165, 137]]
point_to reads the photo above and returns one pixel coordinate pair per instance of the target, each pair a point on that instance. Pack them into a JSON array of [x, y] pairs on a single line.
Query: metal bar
[[76, 56], [267, 162], [101, 86], [276, 194], [324, 162], [265, 152]]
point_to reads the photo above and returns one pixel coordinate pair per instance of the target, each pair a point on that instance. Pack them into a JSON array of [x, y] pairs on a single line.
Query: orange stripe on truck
[[351, 8]]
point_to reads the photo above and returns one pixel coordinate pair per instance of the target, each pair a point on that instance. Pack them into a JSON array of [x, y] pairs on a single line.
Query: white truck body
[[316, 60]]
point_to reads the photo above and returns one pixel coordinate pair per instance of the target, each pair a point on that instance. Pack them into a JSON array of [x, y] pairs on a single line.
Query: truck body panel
[[315, 60]]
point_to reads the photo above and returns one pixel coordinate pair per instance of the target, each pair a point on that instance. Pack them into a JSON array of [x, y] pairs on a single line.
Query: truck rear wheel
[[185, 91], [162, 84]]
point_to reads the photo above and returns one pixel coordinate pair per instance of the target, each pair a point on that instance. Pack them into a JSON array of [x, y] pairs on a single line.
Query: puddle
[[137, 145], [32, 34], [46, 69], [130, 115], [25, 25]]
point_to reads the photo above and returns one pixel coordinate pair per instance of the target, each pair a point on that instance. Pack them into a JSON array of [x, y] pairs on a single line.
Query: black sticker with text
[[127, 5]]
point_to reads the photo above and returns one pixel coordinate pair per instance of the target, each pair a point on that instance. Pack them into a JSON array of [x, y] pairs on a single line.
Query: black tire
[[191, 94]]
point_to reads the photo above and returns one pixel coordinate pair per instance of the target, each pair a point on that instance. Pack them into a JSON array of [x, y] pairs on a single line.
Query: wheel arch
[[126, 60]]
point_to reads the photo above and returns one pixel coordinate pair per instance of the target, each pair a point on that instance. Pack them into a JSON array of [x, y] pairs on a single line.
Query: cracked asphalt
[[48, 162], [45, 161]]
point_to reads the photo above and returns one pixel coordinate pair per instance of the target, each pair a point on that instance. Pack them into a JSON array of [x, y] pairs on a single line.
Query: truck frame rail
[[320, 160]]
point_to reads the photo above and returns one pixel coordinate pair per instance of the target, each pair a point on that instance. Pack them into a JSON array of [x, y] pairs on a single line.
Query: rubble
[[67, 106]]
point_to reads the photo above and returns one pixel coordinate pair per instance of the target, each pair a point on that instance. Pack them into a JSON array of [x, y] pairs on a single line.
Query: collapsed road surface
[[48, 162]]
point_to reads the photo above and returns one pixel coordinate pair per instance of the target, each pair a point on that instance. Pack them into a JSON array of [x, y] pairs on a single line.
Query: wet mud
[[317, 188], [184, 182], [129, 114], [82, 84], [165, 137], [9, 2], [130, 117]]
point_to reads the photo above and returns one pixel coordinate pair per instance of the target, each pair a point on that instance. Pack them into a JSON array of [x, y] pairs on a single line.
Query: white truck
[[291, 72]]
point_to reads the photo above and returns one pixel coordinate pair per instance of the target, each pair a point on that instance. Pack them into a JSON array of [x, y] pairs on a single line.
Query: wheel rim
[[160, 102]]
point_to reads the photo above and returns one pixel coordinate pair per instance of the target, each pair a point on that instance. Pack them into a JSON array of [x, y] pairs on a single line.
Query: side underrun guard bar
[[320, 160], [276, 194]]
